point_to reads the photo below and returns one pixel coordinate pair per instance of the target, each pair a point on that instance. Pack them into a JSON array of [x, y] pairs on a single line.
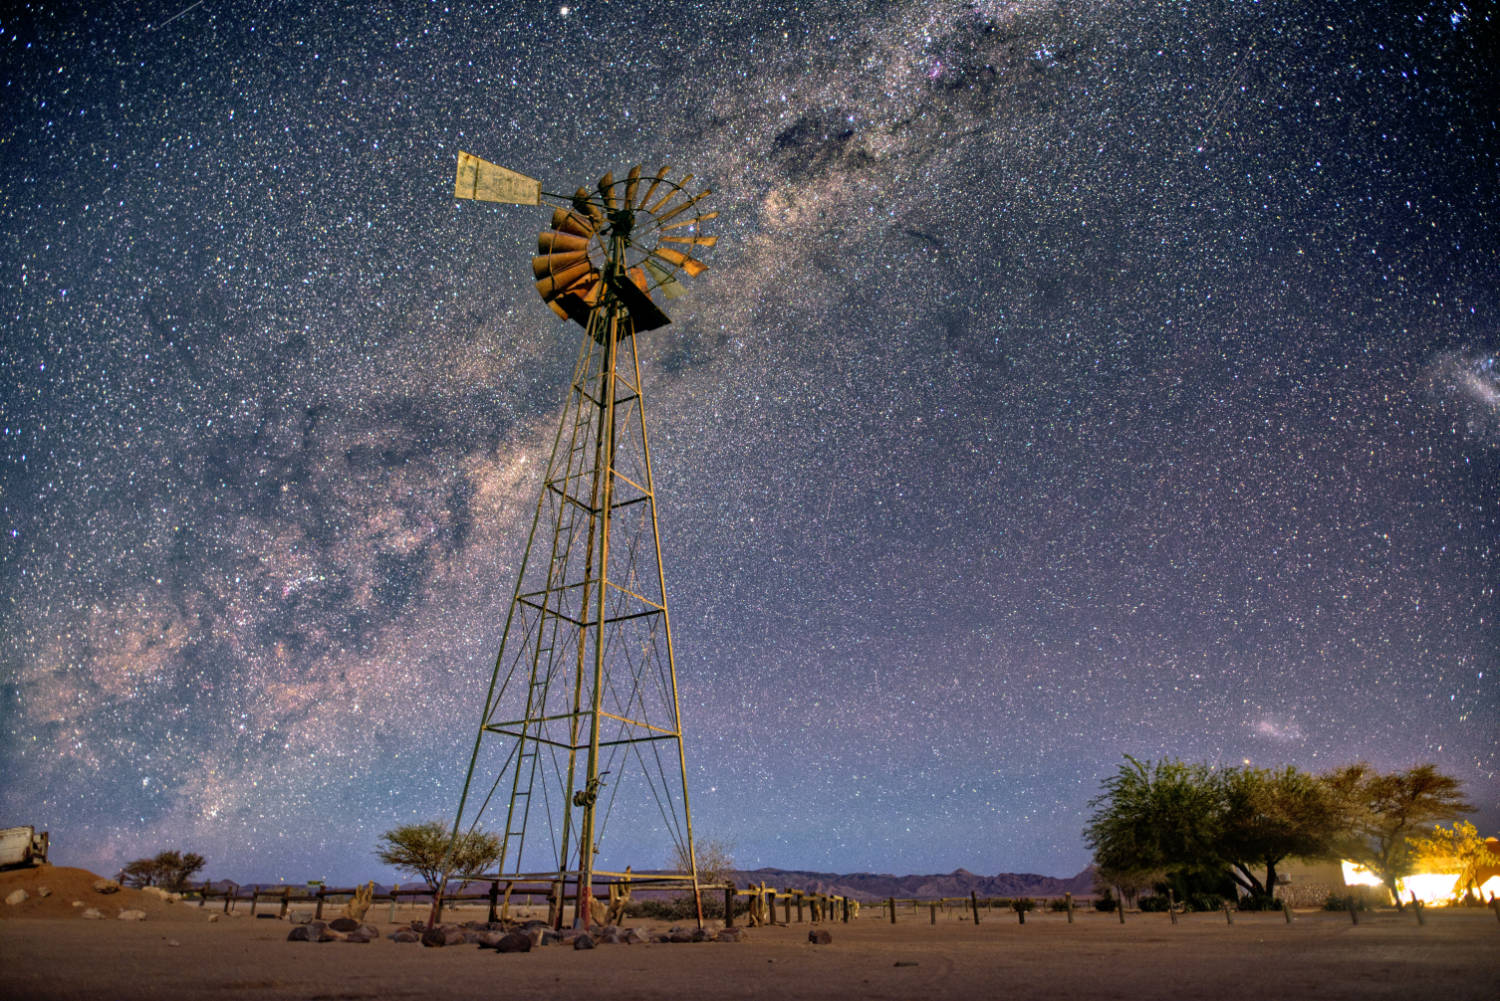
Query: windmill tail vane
[[581, 724]]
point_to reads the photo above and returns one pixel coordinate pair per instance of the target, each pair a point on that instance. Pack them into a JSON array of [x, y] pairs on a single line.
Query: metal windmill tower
[[582, 710]]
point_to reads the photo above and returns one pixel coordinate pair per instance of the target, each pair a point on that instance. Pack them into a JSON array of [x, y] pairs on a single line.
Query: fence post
[[1172, 905], [1228, 914], [229, 896], [891, 902], [394, 888], [1120, 908], [770, 904], [1416, 905], [729, 889], [322, 891], [1353, 914], [932, 912], [286, 902], [974, 900], [254, 900], [799, 905], [1068, 900], [1286, 910], [203, 896]]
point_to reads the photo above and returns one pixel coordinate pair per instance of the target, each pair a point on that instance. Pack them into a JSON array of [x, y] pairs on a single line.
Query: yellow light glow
[[1357, 875], [1429, 887]]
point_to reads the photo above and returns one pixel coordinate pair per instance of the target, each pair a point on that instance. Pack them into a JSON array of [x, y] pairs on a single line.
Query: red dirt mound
[[68, 884]]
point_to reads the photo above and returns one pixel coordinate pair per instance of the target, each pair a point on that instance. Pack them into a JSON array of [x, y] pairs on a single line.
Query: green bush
[[1203, 902], [1106, 902], [1335, 902], [1057, 904], [1023, 904], [1153, 904], [1259, 902]]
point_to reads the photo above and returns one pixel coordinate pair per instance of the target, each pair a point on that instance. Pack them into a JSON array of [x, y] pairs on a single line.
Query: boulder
[[132, 915], [489, 939], [300, 917], [820, 936], [584, 941], [633, 936], [79, 903], [730, 935], [343, 924], [514, 942], [405, 935], [106, 886], [213, 918], [362, 933], [43, 891], [92, 913], [16, 897]]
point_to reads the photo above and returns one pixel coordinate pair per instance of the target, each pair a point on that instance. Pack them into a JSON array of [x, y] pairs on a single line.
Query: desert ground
[[47, 951]]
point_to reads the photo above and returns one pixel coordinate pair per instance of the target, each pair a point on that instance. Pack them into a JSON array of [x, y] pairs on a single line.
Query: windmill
[[581, 716]]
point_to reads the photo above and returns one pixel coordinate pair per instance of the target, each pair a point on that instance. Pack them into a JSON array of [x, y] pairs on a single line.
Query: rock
[[213, 918], [489, 939], [584, 941], [730, 935], [362, 933], [343, 924], [132, 915], [633, 937], [442, 935], [15, 897], [79, 903], [173, 942], [820, 936], [92, 913], [300, 917], [514, 942], [405, 935], [106, 886], [43, 891]]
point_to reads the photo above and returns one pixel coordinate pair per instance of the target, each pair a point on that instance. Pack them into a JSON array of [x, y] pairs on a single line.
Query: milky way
[[1072, 379]]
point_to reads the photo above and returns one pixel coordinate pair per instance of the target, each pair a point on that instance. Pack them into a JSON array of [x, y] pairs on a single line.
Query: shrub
[[1022, 904], [1258, 902], [1203, 902], [1106, 902], [1153, 904], [1336, 902], [1057, 904]]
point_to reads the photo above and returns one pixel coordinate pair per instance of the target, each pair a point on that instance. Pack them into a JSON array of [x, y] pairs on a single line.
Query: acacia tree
[[1458, 849], [1382, 812], [423, 850], [1270, 815], [170, 870]]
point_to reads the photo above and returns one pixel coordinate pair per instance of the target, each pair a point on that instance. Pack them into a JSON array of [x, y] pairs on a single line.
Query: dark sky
[[1071, 379]]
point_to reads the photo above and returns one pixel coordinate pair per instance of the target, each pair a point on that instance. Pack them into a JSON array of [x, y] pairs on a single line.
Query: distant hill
[[859, 885], [958, 883]]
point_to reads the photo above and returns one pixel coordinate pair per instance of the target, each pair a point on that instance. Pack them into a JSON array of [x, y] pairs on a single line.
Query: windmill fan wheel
[[629, 239]]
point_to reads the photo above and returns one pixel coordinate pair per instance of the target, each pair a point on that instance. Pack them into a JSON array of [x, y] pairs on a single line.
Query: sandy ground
[[178, 953]]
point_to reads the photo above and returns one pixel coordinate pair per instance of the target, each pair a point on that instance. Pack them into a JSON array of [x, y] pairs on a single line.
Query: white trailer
[[22, 846]]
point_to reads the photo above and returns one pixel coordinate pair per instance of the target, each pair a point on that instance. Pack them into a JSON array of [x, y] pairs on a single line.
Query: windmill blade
[[702, 217], [670, 287], [489, 182], [670, 195], [655, 181], [607, 190], [632, 181], [702, 241], [572, 222], [552, 242], [683, 261], [558, 264], [679, 209]]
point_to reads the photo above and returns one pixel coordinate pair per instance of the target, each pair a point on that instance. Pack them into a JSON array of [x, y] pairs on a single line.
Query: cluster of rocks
[[502, 937], [337, 930]]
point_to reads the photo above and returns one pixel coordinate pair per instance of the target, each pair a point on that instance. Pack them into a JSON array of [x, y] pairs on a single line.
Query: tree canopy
[[1457, 849], [423, 850]]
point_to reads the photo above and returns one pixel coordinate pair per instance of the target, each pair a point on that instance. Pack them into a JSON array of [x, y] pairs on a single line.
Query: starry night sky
[[1071, 379]]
